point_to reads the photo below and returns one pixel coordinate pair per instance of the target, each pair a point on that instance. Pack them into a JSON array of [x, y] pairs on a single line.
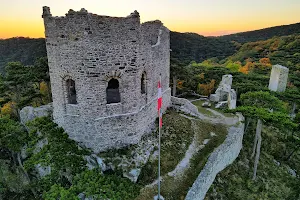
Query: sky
[[205, 17]]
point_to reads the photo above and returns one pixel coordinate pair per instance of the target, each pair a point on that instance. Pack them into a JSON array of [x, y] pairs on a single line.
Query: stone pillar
[[278, 79]]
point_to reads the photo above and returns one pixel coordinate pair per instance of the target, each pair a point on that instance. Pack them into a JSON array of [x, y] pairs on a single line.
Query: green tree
[[177, 71], [267, 109], [40, 73], [17, 86], [13, 137]]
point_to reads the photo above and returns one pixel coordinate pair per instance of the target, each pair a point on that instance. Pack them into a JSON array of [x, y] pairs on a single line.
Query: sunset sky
[[206, 17]]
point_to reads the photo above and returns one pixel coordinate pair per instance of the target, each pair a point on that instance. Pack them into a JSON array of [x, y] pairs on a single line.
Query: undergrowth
[[273, 179]]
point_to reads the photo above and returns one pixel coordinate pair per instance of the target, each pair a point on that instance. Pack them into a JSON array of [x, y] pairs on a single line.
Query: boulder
[[94, 161], [292, 172], [29, 113], [206, 104], [43, 170], [133, 174]]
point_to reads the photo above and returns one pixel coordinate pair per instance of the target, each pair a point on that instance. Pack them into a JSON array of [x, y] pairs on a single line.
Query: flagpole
[[159, 157], [159, 136]]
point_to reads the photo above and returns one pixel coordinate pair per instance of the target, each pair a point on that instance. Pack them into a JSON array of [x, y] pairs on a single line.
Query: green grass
[[209, 113], [201, 109], [177, 135], [173, 189], [178, 189], [273, 182]]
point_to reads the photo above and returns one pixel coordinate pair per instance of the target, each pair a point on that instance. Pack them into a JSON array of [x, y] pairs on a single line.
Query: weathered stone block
[[226, 79], [232, 97], [278, 78]]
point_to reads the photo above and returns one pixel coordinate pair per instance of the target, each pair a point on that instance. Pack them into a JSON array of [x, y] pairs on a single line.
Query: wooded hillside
[[25, 50]]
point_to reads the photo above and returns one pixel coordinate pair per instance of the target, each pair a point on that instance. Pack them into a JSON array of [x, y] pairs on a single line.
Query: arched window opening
[[112, 91], [71, 91], [143, 84]]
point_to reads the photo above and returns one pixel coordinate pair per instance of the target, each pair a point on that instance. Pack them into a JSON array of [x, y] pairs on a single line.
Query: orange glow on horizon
[[19, 18], [21, 28]]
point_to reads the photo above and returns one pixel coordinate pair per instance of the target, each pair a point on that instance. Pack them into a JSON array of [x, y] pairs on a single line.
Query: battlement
[[83, 11]]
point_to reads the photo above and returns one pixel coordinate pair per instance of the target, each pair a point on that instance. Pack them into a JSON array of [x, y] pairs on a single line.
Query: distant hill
[[21, 49], [263, 34], [187, 47]]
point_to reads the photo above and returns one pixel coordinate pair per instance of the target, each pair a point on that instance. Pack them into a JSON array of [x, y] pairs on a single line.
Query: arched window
[[112, 91], [71, 91], [143, 84]]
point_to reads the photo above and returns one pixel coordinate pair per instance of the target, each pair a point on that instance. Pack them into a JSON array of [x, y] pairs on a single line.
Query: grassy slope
[[178, 131], [273, 181]]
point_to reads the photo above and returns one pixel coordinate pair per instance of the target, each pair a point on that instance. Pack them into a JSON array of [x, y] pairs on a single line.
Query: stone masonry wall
[[91, 50], [219, 159]]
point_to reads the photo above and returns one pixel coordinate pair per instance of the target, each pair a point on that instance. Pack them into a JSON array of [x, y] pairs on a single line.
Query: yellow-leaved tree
[[8, 109], [206, 89]]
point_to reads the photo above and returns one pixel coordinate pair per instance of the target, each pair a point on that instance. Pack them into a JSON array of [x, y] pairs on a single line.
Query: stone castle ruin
[[224, 95], [104, 73], [278, 78]]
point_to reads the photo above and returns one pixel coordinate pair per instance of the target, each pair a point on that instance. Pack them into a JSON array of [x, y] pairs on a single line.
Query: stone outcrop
[[219, 159], [278, 79], [29, 113], [104, 73]]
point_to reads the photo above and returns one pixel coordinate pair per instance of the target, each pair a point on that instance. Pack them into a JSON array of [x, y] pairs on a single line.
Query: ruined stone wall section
[[278, 78], [91, 49], [218, 160]]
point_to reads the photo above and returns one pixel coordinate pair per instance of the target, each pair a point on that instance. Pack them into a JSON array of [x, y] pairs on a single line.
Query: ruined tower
[[104, 73]]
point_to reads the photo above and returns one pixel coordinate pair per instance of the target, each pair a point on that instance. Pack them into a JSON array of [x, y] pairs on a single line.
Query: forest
[[197, 66]]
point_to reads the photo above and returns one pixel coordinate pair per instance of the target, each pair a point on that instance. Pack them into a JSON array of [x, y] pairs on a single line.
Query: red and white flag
[[159, 103]]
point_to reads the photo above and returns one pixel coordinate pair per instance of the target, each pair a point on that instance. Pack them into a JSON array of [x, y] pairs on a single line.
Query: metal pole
[[159, 157], [159, 135]]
